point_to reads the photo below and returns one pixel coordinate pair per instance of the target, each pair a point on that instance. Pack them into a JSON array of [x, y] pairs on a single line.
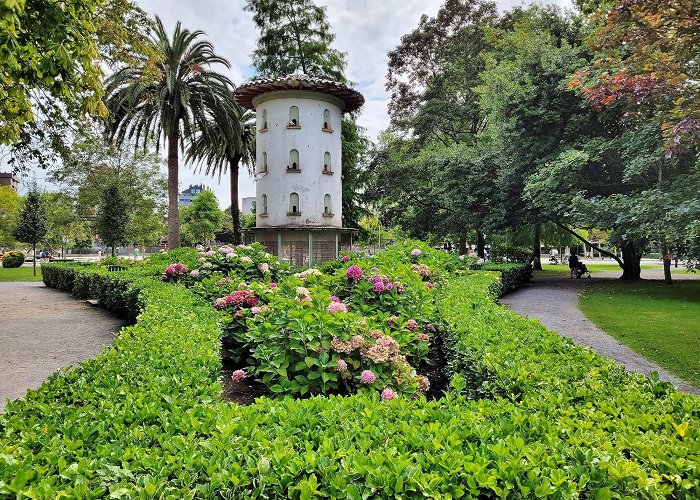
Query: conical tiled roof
[[245, 93]]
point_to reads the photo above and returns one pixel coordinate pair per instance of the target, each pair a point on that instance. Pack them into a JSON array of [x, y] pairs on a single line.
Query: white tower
[[298, 168]]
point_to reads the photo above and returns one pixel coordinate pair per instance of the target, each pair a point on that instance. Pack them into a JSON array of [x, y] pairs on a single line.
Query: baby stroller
[[582, 271]]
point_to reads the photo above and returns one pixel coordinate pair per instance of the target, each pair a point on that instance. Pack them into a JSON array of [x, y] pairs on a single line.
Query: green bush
[[547, 419], [13, 258], [512, 277]]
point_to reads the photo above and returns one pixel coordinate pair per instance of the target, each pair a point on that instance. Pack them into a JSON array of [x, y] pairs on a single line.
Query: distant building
[[247, 205], [188, 194], [9, 179]]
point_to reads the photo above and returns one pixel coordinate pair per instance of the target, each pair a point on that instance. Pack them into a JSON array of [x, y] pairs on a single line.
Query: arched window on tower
[[327, 120], [264, 120], [263, 167], [294, 161], [327, 163], [294, 117], [263, 203], [294, 208], [327, 208]]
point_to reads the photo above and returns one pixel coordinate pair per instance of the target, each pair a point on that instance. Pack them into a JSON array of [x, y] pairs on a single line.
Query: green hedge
[[512, 277], [13, 258], [544, 418]]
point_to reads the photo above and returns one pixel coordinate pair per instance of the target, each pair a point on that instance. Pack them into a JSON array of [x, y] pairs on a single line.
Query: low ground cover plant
[[528, 414]]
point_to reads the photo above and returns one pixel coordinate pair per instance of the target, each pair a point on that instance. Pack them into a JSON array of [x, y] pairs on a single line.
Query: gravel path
[[43, 330], [554, 301]]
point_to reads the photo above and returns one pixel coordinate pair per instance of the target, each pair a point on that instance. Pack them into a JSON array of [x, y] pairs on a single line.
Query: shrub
[[13, 258], [553, 420]]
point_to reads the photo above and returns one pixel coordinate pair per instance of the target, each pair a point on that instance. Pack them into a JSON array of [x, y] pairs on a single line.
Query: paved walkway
[[43, 330], [554, 301]]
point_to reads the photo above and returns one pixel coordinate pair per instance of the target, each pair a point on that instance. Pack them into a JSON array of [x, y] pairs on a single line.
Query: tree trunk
[[235, 211], [480, 244], [173, 190], [536, 261], [667, 266], [463, 244], [34, 251], [114, 250], [631, 269]]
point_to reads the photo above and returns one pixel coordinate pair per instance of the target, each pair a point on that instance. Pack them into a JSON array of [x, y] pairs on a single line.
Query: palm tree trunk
[[235, 211], [173, 190]]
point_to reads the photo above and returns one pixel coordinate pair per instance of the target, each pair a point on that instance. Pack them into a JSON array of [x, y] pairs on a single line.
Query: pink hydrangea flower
[[195, 273], [342, 366], [345, 258], [238, 375], [264, 267], [368, 377], [273, 285], [225, 250], [221, 303], [209, 253], [335, 307], [335, 299], [230, 257], [416, 252], [412, 324], [303, 294], [354, 273], [256, 309], [388, 394]]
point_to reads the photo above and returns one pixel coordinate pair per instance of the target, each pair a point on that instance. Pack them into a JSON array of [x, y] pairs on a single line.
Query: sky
[[366, 30]]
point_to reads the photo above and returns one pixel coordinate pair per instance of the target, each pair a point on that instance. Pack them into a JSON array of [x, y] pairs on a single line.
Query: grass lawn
[[593, 268], [24, 273], [660, 322]]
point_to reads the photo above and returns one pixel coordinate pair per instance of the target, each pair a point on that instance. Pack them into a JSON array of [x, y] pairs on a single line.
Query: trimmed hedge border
[[529, 414]]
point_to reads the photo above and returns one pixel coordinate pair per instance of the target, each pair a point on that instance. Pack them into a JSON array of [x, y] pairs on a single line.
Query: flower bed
[[529, 414]]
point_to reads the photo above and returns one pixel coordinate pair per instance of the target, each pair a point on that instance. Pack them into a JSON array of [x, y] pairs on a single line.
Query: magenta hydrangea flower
[[342, 366], [388, 394], [354, 273], [273, 285], [345, 258], [335, 307], [416, 252], [238, 375], [368, 377]]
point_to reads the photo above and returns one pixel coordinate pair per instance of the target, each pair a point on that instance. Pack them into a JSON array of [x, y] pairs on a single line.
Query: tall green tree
[[169, 97], [31, 226], [65, 228], [202, 218], [112, 217], [221, 150], [10, 204], [47, 47], [295, 37], [531, 116], [62, 85], [433, 71]]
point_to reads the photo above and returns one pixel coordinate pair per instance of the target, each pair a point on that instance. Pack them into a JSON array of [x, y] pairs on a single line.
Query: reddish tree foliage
[[646, 54]]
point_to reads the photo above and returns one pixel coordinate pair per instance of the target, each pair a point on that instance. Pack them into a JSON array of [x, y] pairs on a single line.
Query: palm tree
[[170, 98], [220, 149]]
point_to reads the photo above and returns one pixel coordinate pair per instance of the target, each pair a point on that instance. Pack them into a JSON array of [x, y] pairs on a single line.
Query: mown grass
[[660, 322], [24, 273]]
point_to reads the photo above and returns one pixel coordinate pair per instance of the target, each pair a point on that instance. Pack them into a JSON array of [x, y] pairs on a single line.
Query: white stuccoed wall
[[312, 142]]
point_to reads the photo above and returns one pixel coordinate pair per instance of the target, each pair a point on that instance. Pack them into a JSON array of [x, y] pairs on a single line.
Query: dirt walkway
[[554, 301], [42, 331]]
